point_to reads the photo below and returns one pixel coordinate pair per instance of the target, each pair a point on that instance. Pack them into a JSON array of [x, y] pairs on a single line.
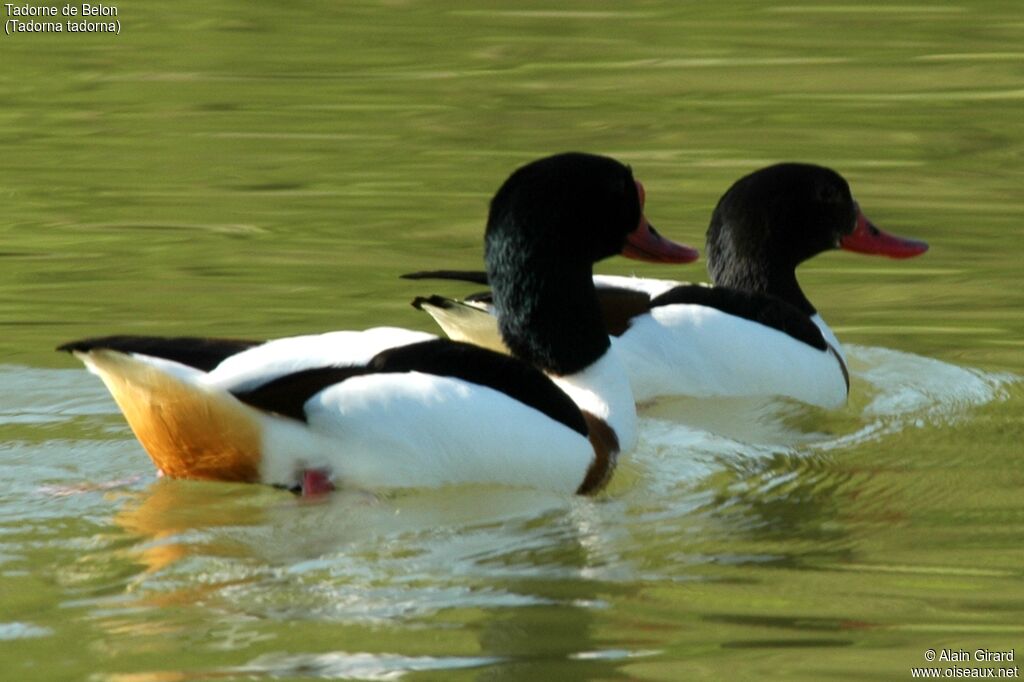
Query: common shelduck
[[754, 333], [393, 408]]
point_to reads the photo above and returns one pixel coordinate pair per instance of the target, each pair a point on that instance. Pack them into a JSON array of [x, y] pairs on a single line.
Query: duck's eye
[[828, 194]]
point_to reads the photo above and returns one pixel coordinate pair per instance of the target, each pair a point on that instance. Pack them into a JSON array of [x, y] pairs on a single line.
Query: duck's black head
[[772, 220], [570, 207], [779, 216], [549, 223]]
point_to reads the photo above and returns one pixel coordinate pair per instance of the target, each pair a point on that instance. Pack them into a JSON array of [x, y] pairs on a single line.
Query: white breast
[[604, 390]]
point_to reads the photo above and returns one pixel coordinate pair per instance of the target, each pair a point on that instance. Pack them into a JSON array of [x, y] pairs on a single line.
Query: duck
[[752, 332], [390, 408]]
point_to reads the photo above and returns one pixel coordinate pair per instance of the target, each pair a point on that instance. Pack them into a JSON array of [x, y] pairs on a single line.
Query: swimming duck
[[393, 408], [754, 333]]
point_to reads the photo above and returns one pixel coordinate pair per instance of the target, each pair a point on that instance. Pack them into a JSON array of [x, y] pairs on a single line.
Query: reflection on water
[[359, 666], [268, 170]]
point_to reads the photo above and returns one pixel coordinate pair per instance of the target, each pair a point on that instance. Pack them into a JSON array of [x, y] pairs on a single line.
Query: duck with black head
[[394, 408], [755, 332]]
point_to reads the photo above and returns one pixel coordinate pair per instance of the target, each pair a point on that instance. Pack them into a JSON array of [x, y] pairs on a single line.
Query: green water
[[260, 170]]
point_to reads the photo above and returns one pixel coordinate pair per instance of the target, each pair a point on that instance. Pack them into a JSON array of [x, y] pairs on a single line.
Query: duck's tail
[[463, 321], [189, 429]]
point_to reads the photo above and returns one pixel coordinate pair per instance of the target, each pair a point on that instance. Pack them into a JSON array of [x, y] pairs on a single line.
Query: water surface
[[264, 170]]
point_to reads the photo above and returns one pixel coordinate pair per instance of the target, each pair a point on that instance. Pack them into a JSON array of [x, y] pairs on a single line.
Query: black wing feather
[[288, 395]]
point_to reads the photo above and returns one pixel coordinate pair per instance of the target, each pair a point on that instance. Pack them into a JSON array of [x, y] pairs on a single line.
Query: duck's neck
[[550, 318], [554, 322], [757, 273]]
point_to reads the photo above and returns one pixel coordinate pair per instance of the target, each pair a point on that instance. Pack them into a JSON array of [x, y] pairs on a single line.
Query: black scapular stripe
[[619, 305], [287, 395], [198, 352], [760, 308]]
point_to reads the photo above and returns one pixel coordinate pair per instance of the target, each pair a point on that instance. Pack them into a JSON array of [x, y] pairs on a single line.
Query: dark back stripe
[[198, 352], [760, 308], [287, 395], [480, 366], [620, 305]]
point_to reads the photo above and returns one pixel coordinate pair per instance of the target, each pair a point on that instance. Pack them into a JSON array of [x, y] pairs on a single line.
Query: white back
[[263, 363], [651, 287]]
